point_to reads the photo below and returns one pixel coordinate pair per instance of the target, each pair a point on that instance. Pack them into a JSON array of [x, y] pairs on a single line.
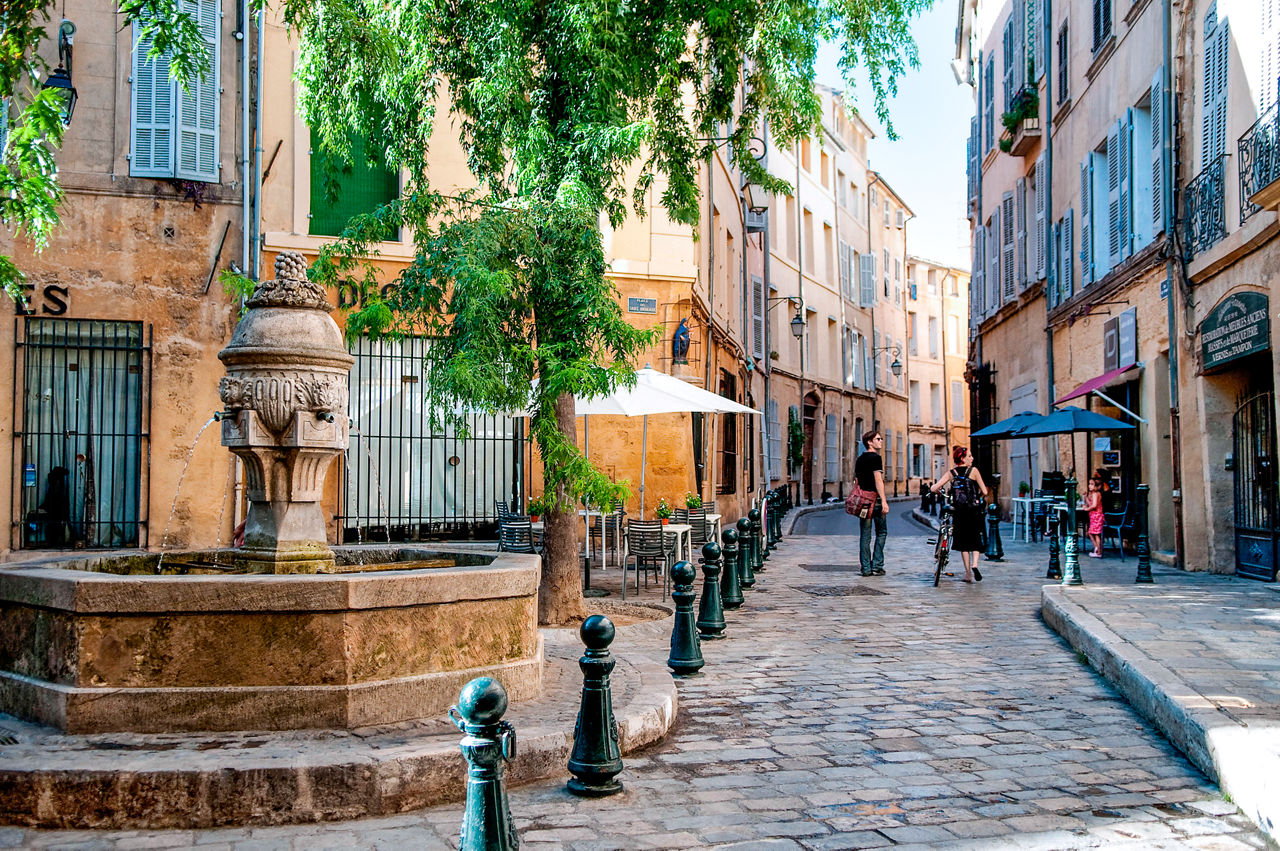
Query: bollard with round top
[[765, 515], [711, 623], [746, 575], [596, 759], [757, 541], [1071, 570], [1055, 566], [730, 586], [686, 652], [1144, 545], [488, 743], [995, 546]]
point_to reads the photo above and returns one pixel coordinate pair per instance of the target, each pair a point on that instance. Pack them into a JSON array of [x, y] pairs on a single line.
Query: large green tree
[[568, 110]]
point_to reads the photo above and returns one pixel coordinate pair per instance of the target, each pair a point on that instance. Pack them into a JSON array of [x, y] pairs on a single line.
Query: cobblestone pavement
[[850, 712]]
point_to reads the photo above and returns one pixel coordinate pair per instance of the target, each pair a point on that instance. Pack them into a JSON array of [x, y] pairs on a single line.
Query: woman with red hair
[[968, 499]]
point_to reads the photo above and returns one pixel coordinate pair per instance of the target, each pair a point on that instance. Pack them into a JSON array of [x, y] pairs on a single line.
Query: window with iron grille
[[728, 437], [404, 479], [84, 433]]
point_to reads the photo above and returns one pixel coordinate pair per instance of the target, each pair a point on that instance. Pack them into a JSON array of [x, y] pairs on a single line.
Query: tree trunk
[[560, 594]]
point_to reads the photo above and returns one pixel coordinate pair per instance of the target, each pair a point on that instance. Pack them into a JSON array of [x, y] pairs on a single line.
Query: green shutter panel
[[198, 108], [151, 113], [362, 188]]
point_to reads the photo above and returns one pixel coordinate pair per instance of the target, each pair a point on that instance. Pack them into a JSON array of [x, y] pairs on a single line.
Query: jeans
[[881, 521]]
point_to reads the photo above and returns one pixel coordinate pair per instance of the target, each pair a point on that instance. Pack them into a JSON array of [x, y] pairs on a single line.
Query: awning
[[1104, 380]]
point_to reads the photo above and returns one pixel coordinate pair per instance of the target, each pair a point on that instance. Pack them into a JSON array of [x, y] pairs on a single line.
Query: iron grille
[[84, 400], [1205, 216], [1259, 159], [404, 481]]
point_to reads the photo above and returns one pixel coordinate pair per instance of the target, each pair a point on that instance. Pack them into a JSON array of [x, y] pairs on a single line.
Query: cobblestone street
[[848, 712]]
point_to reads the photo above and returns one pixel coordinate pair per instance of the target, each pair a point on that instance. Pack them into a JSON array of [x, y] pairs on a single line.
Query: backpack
[[964, 490]]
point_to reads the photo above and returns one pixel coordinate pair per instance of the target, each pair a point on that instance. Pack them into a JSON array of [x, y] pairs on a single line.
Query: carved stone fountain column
[[285, 395]]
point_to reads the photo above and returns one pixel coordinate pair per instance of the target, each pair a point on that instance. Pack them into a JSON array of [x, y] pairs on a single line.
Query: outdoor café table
[[714, 519], [678, 538], [1028, 506]]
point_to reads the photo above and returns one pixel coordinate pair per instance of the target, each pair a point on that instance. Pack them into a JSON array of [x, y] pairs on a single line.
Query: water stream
[[164, 541]]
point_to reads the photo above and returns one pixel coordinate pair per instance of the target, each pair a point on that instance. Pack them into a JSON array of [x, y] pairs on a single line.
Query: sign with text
[[642, 305], [1120, 340], [1238, 327]]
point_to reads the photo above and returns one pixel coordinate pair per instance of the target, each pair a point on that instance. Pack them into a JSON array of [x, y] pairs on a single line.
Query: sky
[[926, 165]]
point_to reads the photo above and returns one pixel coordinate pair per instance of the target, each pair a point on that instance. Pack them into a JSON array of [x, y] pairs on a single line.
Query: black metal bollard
[[1055, 566], [757, 541], [995, 547], [596, 759], [1071, 570], [711, 623], [766, 531], [730, 582], [1144, 577], [487, 744], [686, 651], [746, 544]]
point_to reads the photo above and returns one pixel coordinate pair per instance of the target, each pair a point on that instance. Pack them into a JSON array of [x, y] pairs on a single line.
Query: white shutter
[[974, 158], [198, 109], [977, 280], [1068, 270], [1125, 222], [1052, 288], [1269, 57], [867, 274], [1113, 196], [1157, 151], [1020, 220], [989, 102], [1010, 62], [151, 113], [1019, 47], [757, 315], [993, 263], [1086, 221], [1040, 50], [1041, 218], [1007, 247]]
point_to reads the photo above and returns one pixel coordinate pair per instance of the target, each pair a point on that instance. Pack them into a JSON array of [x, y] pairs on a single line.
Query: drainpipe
[[803, 311], [257, 154], [242, 19], [1175, 289], [711, 309], [1050, 270], [946, 376], [875, 357]]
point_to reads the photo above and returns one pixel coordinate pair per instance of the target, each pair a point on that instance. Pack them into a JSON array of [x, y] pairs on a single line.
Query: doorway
[[1253, 437]]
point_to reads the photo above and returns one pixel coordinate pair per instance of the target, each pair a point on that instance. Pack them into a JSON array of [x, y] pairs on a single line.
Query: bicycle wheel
[[941, 553]]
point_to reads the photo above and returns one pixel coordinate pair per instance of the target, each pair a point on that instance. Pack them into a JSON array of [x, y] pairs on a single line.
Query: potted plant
[[538, 506], [1023, 488], [692, 500], [663, 511]]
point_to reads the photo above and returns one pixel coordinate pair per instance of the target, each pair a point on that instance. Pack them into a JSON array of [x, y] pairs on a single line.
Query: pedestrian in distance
[[869, 471], [968, 494], [1093, 505]]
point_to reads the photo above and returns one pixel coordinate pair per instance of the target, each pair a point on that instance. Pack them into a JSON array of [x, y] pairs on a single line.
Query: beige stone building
[[888, 215], [937, 344], [113, 353]]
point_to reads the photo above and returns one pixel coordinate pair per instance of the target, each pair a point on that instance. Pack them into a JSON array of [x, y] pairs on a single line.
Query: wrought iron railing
[[1205, 210], [1259, 159]]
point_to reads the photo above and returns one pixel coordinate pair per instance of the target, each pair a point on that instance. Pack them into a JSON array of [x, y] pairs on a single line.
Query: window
[[728, 438], [900, 219], [1101, 23], [791, 227], [957, 401], [989, 101], [843, 189], [832, 442], [339, 192], [808, 238], [858, 428], [902, 456], [953, 334], [825, 162], [775, 441], [1064, 64], [886, 212], [829, 251], [912, 333], [757, 316], [916, 465], [913, 400], [173, 132], [931, 277], [875, 197], [886, 272], [1040, 189], [933, 337], [897, 270], [805, 160], [1020, 235], [935, 404], [867, 279]]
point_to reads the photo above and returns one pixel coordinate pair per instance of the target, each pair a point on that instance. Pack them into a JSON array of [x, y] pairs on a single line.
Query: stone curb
[[375, 772], [925, 518], [1244, 761], [800, 511]]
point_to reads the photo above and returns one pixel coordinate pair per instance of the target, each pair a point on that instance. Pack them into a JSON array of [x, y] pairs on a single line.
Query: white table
[[714, 519], [680, 537], [1027, 504]]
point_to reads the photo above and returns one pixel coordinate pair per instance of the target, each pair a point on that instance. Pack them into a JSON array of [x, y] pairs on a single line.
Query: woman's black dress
[[968, 524]]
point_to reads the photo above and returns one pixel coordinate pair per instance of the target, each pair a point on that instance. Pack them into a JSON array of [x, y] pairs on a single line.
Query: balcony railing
[[1259, 159], [1205, 213]]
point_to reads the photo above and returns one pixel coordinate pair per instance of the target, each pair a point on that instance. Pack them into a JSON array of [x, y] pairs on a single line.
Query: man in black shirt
[[869, 471]]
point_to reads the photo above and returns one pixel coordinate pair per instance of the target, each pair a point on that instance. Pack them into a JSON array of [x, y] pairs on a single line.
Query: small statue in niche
[[680, 343]]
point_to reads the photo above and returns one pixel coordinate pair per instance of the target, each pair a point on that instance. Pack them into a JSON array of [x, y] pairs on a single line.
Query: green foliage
[[795, 442], [1026, 104], [29, 190], [238, 286], [663, 511], [541, 505], [692, 500]]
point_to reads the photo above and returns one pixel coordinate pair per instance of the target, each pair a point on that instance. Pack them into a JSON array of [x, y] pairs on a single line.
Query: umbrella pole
[[644, 454]]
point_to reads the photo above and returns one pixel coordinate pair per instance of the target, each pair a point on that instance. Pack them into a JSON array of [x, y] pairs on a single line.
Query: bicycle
[[942, 543]]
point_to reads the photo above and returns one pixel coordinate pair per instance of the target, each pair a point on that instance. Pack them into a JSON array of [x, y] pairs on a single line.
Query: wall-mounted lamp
[[59, 80], [757, 198], [797, 326], [896, 366]]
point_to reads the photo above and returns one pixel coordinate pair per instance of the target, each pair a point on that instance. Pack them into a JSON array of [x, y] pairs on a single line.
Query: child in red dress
[[1093, 505]]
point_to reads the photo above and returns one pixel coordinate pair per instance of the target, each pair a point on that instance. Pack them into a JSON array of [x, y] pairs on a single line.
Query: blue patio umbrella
[[1009, 426], [1069, 420]]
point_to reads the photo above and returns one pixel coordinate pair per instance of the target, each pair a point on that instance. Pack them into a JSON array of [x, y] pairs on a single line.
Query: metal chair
[[607, 525], [500, 508], [1114, 523], [647, 546], [697, 518], [515, 535]]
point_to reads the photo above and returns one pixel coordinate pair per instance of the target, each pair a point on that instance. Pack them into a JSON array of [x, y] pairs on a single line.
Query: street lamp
[[797, 327], [59, 80], [896, 366], [757, 198]]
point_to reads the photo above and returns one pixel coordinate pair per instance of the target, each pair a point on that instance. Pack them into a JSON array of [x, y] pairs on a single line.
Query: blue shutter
[[151, 112], [1068, 270], [197, 143], [1125, 222], [1042, 218], [1157, 152], [1114, 253], [1086, 221]]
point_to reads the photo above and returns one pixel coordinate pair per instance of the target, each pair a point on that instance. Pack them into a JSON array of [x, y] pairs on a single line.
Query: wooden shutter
[[1052, 288], [993, 263], [977, 280], [1213, 119], [989, 101], [151, 112], [1008, 224], [1039, 51], [1041, 218], [1010, 61], [1269, 58], [1086, 220], [1019, 46], [1125, 222], [1157, 153], [757, 315], [362, 188], [868, 279], [1020, 221], [1068, 258], [1113, 196], [197, 148], [974, 160]]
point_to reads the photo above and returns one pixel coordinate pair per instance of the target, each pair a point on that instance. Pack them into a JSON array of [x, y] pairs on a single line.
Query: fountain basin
[[88, 650]]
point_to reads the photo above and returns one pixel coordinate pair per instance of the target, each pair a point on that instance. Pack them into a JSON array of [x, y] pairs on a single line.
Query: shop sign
[[1238, 327], [1120, 341], [642, 305]]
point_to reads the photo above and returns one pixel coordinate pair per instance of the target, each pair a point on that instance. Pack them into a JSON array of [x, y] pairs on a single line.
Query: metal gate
[[1256, 515], [402, 481], [84, 428]]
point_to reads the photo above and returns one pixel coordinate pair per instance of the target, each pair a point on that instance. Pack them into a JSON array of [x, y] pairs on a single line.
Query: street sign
[[642, 305], [1238, 327]]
